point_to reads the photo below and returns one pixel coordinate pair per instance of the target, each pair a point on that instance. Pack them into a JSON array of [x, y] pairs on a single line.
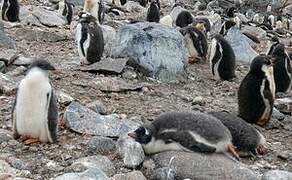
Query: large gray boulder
[[277, 175], [6, 42], [204, 166], [90, 174], [157, 51], [48, 18], [240, 44], [288, 10]]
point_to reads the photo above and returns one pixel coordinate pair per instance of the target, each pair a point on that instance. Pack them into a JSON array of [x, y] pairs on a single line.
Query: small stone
[[129, 74], [64, 98], [284, 105], [18, 164], [98, 107], [286, 155], [7, 84], [274, 124], [90, 174], [277, 175], [276, 114], [8, 55], [6, 168], [131, 151], [18, 71], [98, 161], [134, 175], [199, 100], [23, 60], [99, 144], [164, 173], [5, 136], [149, 164]]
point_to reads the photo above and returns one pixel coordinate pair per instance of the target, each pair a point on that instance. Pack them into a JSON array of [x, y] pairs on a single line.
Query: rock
[[18, 164], [5, 136], [156, 50], [204, 166], [98, 161], [31, 20], [90, 174], [148, 164], [103, 145], [164, 173], [284, 105], [199, 100], [6, 168], [108, 84], [2, 66], [276, 114], [242, 50], [129, 74], [85, 121], [288, 10], [109, 34], [134, 175], [6, 42], [135, 7], [131, 151], [64, 98], [277, 175], [8, 55], [39, 35], [256, 31], [48, 18], [107, 66], [98, 107], [22, 60], [274, 124], [285, 155], [7, 84], [77, 2], [1, 25]]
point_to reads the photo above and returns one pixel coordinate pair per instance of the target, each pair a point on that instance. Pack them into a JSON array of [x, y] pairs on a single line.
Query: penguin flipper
[[16, 135], [53, 117]]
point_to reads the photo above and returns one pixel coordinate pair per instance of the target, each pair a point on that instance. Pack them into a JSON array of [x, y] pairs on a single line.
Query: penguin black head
[[86, 17], [279, 50], [230, 12], [42, 64], [274, 39], [141, 135], [260, 65]]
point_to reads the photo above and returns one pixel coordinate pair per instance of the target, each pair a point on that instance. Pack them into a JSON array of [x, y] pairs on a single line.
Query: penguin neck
[[36, 74]]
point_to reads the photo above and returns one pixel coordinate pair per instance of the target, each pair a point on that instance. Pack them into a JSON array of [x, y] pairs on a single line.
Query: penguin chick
[[256, 93], [282, 69], [89, 37], [95, 8], [153, 12], [245, 137], [166, 20], [184, 131], [196, 43], [183, 19], [66, 10], [10, 10], [222, 59], [35, 112]]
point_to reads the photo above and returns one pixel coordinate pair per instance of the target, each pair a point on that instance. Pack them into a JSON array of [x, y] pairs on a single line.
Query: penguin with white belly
[[35, 111], [89, 37], [66, 10], [245, 137], [185, 131], [256, 93], [222, 59], [153, 14], [95, 8], [10, 10], [273, 43], [196, 43], [282, 69]]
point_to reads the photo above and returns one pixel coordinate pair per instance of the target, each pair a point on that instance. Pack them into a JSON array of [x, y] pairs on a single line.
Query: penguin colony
[[35, 112]]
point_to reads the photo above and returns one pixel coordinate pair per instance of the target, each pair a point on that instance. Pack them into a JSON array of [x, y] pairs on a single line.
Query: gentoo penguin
[[226, 26], [273, 43], [184, 131], [35, 112], [153, 12], [196, 43], [271, 20], [183, 19], [89, 37], [256, 93], [10, 10], [245, 137], [269, 9], [95, 8], [166, 20], [205, 21], [222, 59], [282, 69], [66, 9]]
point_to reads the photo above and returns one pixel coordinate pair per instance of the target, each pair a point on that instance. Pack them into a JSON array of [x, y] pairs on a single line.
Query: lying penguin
[[185, 131], [256, 93], [245, 137], [35, 111], [89, 37]]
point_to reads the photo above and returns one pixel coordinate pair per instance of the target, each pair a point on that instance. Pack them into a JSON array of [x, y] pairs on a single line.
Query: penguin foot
[[231, 150], [262, 150], [83, 61], [29, 140]]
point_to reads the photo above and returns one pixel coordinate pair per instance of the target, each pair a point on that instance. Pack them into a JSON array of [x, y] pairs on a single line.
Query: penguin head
[[261, 66], [279, 50], [141, 135], [230, 12], [86, 17], [43, 65]]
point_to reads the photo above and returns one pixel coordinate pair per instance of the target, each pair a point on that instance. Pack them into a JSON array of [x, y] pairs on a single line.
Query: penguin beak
[[132, 135]]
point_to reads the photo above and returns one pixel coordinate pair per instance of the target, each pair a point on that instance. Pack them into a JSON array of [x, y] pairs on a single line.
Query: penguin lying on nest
[[256, 93], [185, 131], [35, 111], [245, 137]]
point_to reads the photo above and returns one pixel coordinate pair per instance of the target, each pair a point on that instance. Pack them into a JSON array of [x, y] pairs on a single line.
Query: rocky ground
[[130, 95]]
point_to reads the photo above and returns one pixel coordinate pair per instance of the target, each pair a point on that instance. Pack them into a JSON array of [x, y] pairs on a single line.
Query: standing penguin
[[273, 43], [35, 112], [66, 9], [282, 69], [95, 8], [245, 137], [256, 93], [222, 59], [196, 43], [183, 19], [10, 10], [89, 37], [153, 12], [184, 131]]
